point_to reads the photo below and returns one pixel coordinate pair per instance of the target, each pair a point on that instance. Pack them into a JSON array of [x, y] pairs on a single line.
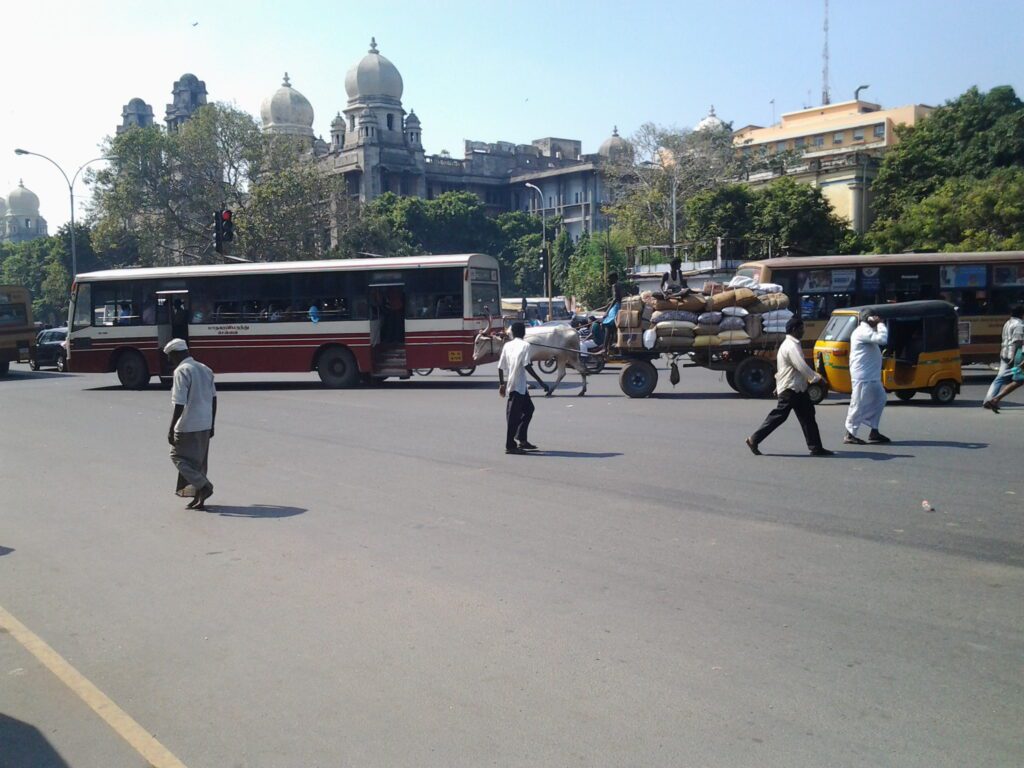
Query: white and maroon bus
[[350, 320]]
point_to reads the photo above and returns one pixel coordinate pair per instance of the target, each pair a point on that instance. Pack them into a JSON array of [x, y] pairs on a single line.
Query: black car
[[49, 350]]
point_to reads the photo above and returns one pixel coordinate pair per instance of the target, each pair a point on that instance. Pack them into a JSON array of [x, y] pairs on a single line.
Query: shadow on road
[[254, 510], [5, 551], [729, 395], [841, 454], [25, 375], [576, 454], [22, 744], [939, 444]]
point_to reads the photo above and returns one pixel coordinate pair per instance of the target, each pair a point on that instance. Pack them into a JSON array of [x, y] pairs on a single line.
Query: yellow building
[[837, 148]]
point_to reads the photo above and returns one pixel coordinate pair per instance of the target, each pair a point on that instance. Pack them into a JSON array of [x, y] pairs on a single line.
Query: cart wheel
[[466, 371], [730, 379], [548, 366], [423, 371], [755, 377], [944, 392], [905, 394], [638, 378], [817, 392]]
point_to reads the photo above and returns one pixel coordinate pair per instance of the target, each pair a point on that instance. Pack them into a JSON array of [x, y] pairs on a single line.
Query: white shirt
[[194, 389], [866, 352], [793, 371], [515, 356], [1013, 331]]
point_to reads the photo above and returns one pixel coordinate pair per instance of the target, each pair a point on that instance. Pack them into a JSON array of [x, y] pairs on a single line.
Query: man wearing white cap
[[194, 398]]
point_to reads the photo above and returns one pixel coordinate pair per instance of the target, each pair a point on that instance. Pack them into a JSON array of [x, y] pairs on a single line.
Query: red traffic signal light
[[227, 226], [225, 215]]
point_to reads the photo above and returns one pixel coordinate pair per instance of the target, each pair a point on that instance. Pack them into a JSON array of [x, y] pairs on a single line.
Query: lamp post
[[71, 194], [544, 244]]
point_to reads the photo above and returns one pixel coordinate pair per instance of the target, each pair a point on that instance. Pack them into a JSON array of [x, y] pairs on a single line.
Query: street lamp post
[[544, 244], [71, 194]]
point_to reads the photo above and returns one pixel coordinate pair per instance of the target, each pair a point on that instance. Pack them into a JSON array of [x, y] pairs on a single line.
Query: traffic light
[[542, 259], [218, 231], [227, 226]]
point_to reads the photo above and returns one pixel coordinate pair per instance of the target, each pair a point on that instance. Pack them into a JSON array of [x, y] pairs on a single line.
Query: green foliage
[[793, 217], [561, 257], [961, 215], [586, 279], [969, 137]]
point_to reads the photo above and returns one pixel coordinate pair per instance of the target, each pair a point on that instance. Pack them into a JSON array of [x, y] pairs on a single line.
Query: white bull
[[558, 342]]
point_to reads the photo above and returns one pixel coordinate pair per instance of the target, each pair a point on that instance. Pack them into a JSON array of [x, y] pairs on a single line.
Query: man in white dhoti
[[868, 396], [194, 398]]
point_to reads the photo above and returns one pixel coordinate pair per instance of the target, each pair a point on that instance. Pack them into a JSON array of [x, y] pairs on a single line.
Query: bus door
[[387, 327], [172, 316]]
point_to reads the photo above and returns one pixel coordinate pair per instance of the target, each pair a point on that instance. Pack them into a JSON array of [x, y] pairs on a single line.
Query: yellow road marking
[[137, 737]]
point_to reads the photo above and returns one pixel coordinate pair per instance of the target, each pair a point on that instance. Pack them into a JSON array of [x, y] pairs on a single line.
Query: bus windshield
[[485, 299]]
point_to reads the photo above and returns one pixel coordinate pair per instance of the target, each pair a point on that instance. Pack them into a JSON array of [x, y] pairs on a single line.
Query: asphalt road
[[377, 584]]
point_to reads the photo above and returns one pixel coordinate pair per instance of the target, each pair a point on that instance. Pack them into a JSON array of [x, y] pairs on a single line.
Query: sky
[[481, 69]]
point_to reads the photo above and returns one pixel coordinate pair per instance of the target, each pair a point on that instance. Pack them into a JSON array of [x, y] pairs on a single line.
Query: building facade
[[19, 216], [378, 147], [838, 147]]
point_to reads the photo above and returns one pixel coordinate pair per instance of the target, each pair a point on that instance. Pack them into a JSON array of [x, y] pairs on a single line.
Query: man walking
[[868, 396], [791, 380], [514, 364], [194, 398], [1012, 341]]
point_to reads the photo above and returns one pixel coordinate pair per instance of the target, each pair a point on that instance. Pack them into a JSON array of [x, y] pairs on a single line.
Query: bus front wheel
[[132, 371], [337, 368]]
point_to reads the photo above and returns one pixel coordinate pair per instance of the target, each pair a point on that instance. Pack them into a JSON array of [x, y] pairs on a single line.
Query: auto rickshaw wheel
[[906, 394], [817, 392], [944, 392]]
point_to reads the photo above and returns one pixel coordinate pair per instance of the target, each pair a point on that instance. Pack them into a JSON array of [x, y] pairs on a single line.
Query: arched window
[[391, 122]]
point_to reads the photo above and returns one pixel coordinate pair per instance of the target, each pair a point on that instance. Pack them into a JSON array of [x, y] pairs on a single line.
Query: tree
[[797, 217], [961, 215], [596, 256], [561, 257], [968, 137], [158, 195]]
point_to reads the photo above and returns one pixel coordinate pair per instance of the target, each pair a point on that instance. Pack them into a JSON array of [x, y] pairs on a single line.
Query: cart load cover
[[732, 324], [774, 301], [710, 318], [733, 338], [706, 341], [674, 314], [738, 297], [676, 343], [736, 311], [675, 328]]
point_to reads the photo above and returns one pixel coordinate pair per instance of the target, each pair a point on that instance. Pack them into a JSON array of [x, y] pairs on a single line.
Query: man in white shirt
[[513, 365], [791, 380], [1012, 341], [194, 398], [868, 396]]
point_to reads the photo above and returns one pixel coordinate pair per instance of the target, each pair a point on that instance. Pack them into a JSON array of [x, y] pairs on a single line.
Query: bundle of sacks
[[732, 315]]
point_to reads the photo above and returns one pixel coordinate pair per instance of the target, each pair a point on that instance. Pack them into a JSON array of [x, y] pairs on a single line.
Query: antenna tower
[[825, 99]]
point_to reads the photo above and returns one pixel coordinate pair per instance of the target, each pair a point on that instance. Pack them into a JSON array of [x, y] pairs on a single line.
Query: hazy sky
[[480, 69]]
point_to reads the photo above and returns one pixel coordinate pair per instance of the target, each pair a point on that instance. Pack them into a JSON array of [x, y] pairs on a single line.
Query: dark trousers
[[800, 403], [518, 412]]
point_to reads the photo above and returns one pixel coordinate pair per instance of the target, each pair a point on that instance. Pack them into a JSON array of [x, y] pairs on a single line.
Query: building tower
[[287, 112], [377, 154], [189, 95], [135, 114]]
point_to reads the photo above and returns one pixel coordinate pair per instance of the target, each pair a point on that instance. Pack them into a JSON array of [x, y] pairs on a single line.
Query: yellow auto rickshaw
[[922, 355]]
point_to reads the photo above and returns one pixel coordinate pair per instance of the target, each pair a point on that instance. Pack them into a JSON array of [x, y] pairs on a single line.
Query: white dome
[[710, 123], [614, 146], [22, 202], [287, 111], [373, 76]]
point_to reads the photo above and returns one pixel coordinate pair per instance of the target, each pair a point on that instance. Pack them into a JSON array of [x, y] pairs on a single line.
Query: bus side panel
[[283, 350], [449, 347]]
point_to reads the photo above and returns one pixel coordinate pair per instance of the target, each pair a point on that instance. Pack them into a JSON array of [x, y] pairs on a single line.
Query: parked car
[[49, 350]]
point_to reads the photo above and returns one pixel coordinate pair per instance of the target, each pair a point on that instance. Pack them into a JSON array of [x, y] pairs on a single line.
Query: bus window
[[485, 299], [909, 283], [965, 287], [433, 293], [114, 304]]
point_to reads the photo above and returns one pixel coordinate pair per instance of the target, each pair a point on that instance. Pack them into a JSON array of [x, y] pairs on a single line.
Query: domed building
[[711, 122], [615, 147], [21, 220], [189, 94], [135, 114], [374, 145], [287, 112]]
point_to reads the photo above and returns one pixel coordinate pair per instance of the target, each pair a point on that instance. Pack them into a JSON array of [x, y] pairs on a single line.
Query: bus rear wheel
[[337, 368], [132, 371]]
